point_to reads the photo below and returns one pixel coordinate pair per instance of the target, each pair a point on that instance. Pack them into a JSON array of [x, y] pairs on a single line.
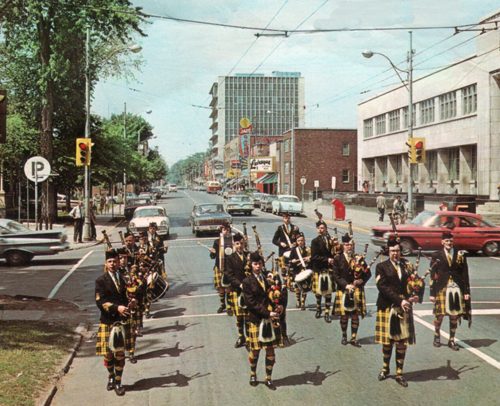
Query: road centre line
[[56, 288]]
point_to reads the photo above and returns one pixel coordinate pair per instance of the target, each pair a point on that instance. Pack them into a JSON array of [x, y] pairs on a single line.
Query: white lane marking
[[493, 362], [196, 296], [63, 279], [475, 312]]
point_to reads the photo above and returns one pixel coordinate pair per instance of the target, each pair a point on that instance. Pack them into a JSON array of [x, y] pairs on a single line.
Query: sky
[[181, 60]]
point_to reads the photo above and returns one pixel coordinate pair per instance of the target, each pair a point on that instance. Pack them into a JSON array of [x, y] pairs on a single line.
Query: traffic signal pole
[[86, 185], [410, 127]]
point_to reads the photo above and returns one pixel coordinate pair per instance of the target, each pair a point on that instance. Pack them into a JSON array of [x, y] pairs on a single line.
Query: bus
[[213, 186]]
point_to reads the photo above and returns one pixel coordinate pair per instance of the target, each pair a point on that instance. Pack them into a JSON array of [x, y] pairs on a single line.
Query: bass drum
[[158, 290]]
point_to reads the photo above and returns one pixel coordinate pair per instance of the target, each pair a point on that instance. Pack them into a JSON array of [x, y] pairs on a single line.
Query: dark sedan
[[133, 204], [208, 218], [470, 232]]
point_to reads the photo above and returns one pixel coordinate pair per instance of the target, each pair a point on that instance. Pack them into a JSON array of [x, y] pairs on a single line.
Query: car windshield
[[425, 218], [14, 227], [210, 208], [239, 199], [153, 212], [289, 199]]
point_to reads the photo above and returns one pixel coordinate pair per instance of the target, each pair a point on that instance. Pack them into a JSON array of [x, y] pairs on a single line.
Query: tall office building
[[272, 104]]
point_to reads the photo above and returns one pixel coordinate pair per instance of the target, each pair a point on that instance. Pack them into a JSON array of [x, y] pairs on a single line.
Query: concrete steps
[[490, 211]]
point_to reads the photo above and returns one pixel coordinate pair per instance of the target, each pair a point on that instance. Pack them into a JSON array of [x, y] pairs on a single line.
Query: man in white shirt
[[77, 213]]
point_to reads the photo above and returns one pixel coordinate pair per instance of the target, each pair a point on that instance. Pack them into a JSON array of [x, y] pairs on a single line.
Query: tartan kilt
[[440, 304], [359, 299], [217, 277], [253, 343], [233, 302], [315, 284], [382, 328], [102, 344]]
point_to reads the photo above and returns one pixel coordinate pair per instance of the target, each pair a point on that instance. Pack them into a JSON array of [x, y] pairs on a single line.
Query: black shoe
[[344, 341], [453, 345], [147, 315], [111, 384], [138, 333], [240, 342], [436, 343], [328, 318], [270, 384], [119, 389], [318, 314], [221, 309], [253, 380], [132, 359], [286, 341], [303, 307], [402, 381], [355, 343], [229, 312], [382, 376]]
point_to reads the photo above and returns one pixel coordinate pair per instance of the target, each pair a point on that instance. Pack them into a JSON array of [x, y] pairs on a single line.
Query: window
[[368, 128], [431, 164], [427, 111], [453, 163], [405, 116], [286, 188], [394, 120], [398, 169], [473, 162], [380, 124], [345, 149], [287, 168], [469, 99], [345, 175], [287, 145], [448, 105]]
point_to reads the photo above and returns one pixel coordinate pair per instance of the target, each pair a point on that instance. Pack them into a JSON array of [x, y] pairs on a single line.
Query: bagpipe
[[336, 247]]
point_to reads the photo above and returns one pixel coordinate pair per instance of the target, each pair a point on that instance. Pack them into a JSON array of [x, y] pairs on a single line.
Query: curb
[[98, 242], [341, 225], [81, 329]]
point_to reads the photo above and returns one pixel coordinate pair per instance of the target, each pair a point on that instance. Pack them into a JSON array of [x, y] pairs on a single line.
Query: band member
[[111, 299], [158, 246], [394, 304], [219, 252], [296, 266], [260, 312], [284, 239], [449, 288], [322, 262], [235, 273], [351, 273], [130, 248]]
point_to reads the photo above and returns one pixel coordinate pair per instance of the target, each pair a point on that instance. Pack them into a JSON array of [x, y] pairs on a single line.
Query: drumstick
[[203, 245]]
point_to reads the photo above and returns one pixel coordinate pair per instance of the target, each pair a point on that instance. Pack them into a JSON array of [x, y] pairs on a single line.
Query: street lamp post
[[409, 87]]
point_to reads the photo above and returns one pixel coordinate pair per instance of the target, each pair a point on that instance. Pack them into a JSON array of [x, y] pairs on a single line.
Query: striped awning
[[268, 178]]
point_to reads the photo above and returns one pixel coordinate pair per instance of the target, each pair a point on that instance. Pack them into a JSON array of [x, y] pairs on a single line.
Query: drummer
[[284, 239], [296, 266]]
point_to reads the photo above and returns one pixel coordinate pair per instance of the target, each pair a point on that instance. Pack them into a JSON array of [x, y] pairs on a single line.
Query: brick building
[[317, 154]]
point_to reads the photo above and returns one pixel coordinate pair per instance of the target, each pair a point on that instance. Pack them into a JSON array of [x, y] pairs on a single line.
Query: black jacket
[[280, 236], [108, 298], [297, 267], [344, 275], [391, 290], [320, 253], [441, 272], [235, 270], [256, 299], [216, 248]]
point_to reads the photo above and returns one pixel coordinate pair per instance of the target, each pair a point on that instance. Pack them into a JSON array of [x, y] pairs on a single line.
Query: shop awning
[[268, 178]]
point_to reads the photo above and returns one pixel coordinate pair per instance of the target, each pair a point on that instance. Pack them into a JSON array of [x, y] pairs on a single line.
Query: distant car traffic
[[208, 217], [470, 232], [145, 215], [172, 188], [239, 204], [257, 196], [133, 204], [19, 244], [287, 203], [266, 203]]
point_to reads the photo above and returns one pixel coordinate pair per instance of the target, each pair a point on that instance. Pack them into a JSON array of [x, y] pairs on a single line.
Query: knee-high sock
[[270, 360], [318, 302], [253, 358], [298, 294], [453, 326], [119, 365], [240, 325], [222, 298], [109, 364], [400, 357], [344, 320], [328, 303], [387, 352], [229, 300], [304, 297], [437, 325], [354, 325]]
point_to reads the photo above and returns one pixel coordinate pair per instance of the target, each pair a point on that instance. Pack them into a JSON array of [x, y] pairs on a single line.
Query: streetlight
[[409, 86]]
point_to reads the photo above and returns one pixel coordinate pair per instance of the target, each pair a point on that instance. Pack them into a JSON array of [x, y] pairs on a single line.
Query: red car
[[470, 232]]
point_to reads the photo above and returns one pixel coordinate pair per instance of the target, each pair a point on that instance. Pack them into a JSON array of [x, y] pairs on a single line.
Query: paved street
[[187, 357]]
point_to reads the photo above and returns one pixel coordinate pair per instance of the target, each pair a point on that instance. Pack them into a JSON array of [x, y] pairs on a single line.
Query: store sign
[[262, 164]]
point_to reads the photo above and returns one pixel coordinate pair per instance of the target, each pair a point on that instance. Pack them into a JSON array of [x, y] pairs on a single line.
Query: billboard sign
[[262, 164]]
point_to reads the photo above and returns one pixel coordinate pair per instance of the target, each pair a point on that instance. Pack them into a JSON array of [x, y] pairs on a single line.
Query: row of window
[[346, 174], [427, 112]]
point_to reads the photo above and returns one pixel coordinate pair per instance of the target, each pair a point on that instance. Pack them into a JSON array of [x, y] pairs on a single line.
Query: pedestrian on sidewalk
[[381, 206], [78, 216], [93, 221]]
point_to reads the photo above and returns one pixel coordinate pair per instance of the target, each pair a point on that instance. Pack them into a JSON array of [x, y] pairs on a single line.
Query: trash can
[[338, 209]]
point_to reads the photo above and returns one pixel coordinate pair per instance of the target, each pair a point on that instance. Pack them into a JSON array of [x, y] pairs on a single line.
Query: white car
[[239, 203], [289, 204], [144, 215], [172, 188]]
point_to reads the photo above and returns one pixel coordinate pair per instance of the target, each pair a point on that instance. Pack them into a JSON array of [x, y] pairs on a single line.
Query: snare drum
[[304, 280], [159, 289]]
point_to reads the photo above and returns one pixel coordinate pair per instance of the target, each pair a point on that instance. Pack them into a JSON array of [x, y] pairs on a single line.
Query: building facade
[[457, 110], [272, 104], [317, 154]]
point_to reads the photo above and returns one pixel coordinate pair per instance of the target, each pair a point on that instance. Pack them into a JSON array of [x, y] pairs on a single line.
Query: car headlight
[[164, 223], [386, 235]]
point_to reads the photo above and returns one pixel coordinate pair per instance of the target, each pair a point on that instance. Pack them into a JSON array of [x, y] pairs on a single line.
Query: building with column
[[272, 103], [457, 111]]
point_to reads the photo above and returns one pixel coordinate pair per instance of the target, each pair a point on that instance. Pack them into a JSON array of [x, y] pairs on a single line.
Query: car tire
[[491, 248], [18, 258], [407, 246]]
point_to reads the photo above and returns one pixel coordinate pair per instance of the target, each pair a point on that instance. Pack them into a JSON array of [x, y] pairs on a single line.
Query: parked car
[[149, 214], [470, 232], [239, 204], [172, 188], [133, 204], [287, 203], [256, 196], [208, 217], [61, 202], [19, 244], [266, 203]]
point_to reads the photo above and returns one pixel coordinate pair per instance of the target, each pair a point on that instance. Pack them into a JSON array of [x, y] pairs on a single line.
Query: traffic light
[[83, 151], [411, 150], [419, 150], [3, 116]]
